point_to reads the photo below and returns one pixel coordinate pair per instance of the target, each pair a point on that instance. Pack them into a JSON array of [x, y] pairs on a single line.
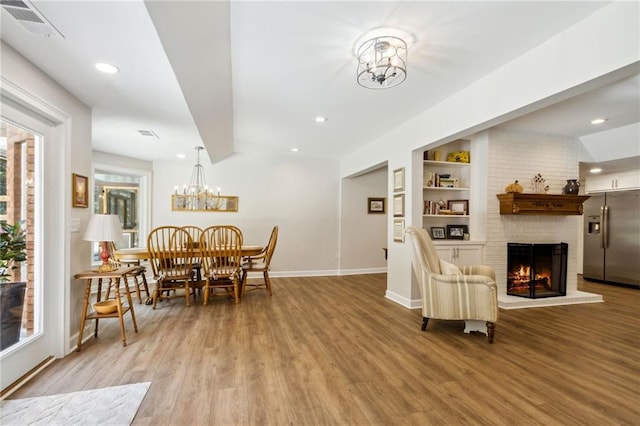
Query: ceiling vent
[[149, 133], [30, 18]]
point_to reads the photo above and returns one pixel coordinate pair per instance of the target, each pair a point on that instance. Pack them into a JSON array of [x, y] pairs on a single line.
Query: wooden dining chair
[[221, 257], [195, 232], [172, 256], [260, 263], [138, 274]]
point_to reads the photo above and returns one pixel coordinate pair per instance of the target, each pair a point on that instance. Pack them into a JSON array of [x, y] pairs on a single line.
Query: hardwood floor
[[333, 350]]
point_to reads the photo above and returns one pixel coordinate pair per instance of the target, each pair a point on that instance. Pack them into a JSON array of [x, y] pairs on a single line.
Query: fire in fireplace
[[537, 270]]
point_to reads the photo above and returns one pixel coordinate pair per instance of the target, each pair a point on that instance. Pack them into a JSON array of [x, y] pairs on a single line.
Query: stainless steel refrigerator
[[612, 237]]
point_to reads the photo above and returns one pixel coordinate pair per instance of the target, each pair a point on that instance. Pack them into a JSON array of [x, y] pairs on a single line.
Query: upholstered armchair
[[449, 293]]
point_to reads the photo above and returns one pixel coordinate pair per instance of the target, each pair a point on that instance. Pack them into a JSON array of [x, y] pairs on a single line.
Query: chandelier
[[382, 62], [197, 195]]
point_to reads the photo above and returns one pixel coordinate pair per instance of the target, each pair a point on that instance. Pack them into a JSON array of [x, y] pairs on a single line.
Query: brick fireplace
[[518, 155]]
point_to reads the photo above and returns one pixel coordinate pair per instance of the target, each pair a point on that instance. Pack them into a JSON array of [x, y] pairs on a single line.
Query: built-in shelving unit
[[446, 188], [446, 195]]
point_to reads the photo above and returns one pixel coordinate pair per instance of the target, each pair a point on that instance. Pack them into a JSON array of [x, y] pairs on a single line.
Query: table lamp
[[103, 228]]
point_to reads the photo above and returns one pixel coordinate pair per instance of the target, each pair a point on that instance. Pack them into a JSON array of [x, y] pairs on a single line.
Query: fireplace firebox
[[537, 270]]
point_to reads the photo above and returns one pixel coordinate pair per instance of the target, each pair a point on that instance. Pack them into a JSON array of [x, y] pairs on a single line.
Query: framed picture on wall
[[398, 179], [80, 191], [398, 205], [375, 205], [398, 230]]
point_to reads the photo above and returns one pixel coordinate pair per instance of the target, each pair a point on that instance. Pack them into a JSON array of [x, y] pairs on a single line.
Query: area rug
[[116, 405]]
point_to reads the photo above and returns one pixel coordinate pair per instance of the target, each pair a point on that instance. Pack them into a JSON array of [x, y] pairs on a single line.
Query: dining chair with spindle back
[[221, 257], [195, 232], [172, 256], [138, 274], [260, 263]]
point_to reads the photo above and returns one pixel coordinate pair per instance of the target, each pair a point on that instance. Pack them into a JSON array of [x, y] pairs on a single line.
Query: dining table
[[137, 254], [142, 253]]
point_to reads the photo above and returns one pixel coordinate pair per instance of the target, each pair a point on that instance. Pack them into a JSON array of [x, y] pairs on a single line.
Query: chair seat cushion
[[449, 268]]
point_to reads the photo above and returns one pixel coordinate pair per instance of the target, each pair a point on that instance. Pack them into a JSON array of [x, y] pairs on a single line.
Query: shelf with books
[[441, 188], [448, 216], [446, 189], [445, 175]]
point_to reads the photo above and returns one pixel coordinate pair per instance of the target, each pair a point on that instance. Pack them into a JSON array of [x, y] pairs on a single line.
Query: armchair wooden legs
[[491, 329], [425, 320]]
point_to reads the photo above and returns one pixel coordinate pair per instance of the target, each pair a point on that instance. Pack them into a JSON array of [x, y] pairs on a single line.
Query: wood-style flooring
[[334, 351]]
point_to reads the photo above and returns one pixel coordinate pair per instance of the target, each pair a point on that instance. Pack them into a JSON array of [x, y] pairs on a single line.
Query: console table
[[116, 276]]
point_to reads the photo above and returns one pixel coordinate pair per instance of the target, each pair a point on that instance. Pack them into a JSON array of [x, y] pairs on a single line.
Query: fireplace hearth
[[537, 270]]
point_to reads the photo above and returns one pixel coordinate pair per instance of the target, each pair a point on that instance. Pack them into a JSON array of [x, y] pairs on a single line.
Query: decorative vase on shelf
[[572, 187]]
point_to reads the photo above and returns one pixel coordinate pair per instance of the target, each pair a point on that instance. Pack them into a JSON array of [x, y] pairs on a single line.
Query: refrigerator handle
[[605, 224], [602, 226]]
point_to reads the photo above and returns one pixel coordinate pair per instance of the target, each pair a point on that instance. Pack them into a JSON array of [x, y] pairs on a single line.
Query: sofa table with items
[[116, 276]]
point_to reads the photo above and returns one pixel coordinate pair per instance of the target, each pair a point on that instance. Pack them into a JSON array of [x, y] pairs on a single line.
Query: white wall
[[363, 235], [299, 195], [69, 152], [621, 142], [121, 162]]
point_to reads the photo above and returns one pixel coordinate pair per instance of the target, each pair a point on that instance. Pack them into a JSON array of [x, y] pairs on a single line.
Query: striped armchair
[[469, 294]]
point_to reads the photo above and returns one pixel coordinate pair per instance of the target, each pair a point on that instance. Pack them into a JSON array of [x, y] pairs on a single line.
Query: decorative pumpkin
[[458, 157], [513, 187]]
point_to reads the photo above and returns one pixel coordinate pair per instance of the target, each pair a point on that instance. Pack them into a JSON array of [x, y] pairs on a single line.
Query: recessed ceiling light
[[595, 170], [106, 68], [294, 150], [598, 120], [181, 156], [320, 119]]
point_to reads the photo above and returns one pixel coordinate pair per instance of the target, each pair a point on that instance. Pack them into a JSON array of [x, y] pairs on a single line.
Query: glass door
[[28, 325]]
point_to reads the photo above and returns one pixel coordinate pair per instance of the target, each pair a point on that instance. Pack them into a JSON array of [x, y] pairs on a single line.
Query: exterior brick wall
[[20, 143]]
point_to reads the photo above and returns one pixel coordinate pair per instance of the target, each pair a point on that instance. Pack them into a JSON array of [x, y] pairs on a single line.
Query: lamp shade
[[103, 227]]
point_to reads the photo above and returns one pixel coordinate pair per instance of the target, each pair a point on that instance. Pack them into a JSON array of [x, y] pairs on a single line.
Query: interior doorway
[[125, 193], [118, 194]]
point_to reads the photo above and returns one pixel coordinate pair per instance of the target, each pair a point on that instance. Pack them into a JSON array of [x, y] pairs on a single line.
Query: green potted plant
[[13, 251]]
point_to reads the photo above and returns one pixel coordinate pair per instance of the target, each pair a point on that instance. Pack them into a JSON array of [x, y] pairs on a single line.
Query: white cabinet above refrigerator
[[613, 182]]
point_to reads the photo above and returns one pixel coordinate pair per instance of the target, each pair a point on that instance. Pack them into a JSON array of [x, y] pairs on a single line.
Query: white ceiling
[[252, 76]]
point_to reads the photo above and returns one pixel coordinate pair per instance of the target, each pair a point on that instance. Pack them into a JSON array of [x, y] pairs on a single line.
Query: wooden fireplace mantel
[[541, 204]]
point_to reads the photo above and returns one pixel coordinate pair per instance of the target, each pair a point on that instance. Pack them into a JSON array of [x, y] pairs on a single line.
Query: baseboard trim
[[320, 273], [404, 301]]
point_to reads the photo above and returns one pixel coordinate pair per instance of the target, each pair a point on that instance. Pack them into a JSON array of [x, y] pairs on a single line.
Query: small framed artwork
[[438, 233], [456, 232], [398, 230], [398, 179], [398, 205], [375, 205], [458, 206], [80, 189]]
